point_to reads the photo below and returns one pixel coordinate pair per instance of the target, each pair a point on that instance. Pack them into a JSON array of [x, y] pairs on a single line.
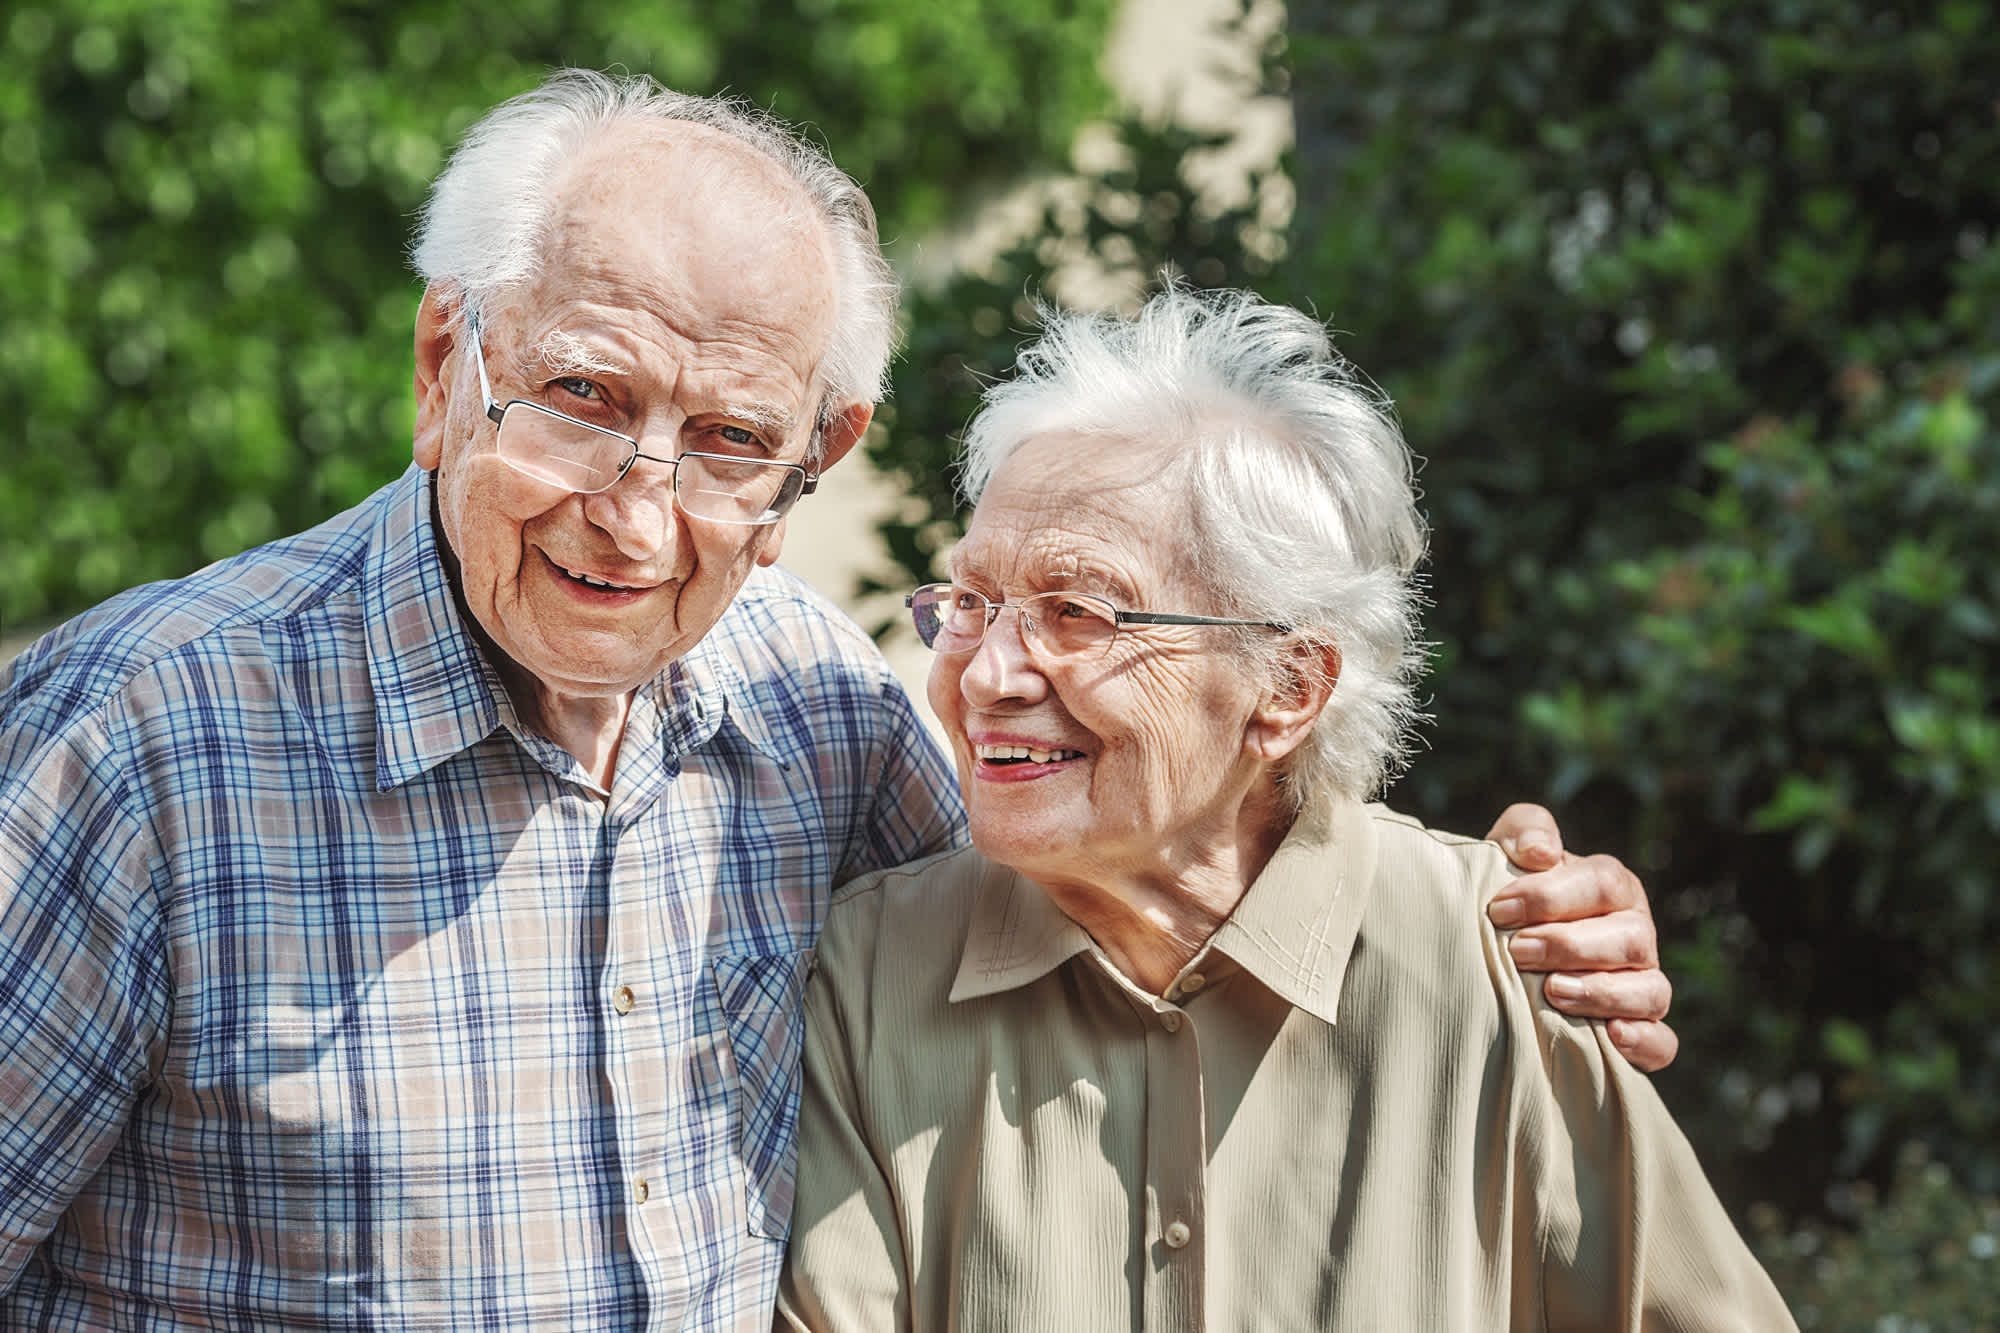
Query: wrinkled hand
[[1586, 922]]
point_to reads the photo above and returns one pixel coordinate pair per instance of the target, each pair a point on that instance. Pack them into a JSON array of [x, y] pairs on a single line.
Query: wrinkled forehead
[[1064, 502], [689, 222]]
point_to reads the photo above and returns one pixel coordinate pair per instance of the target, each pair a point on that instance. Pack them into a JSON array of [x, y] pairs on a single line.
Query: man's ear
[[836, 439], [1307, 673], [842, 433], [773, 539], [437, 334]]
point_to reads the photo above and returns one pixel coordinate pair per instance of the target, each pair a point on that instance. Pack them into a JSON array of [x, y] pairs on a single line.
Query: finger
[[1579, 887], [1618, 941], [1641, 996], [1529, 836], [1650, 1047]]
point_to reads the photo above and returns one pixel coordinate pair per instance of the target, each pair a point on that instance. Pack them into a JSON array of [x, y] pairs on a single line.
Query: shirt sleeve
[[1631, 1234], [913, 806], [844, 1269], [83, 986]]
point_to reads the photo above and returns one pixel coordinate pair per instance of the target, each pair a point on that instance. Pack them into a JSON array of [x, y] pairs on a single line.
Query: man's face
[[684, 299]]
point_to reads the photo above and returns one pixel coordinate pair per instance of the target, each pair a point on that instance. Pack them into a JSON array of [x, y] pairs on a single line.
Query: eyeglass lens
[[954, 620], [561, 452]]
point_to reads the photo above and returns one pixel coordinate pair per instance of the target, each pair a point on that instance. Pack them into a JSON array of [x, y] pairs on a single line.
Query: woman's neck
[[1151, 922]]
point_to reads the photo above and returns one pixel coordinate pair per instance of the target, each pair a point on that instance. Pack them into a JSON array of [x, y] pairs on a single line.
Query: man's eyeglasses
[[574, 455], [951, 619]]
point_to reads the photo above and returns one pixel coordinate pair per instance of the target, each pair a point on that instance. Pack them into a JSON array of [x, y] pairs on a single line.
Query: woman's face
[[1139, 762]]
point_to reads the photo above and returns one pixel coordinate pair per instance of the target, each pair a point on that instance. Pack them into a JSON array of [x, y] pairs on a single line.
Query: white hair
[[1301, 493], [484, 227]]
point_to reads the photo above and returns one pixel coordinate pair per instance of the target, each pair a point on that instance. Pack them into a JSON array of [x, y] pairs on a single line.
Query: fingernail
[[1505, 912], [1527, 950], [1534, 840], [1565, 987]]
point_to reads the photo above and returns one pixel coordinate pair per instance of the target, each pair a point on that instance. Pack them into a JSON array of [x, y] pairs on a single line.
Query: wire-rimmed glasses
[[954, 619], [559, 450]]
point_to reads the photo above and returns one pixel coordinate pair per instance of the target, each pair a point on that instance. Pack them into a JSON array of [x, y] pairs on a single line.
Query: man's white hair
[[484, 228], [1300, 489]]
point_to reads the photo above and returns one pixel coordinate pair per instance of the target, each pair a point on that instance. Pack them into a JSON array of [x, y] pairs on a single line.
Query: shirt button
[[1192, 982], [622, 999], [1177, 1235], [1170, 1021], [641, 1191]]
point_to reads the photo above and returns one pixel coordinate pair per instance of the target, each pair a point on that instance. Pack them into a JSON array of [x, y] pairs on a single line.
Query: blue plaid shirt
[[332, 998]]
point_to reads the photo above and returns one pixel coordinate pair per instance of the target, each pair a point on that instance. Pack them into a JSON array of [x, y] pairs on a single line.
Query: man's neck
[[591, 727]]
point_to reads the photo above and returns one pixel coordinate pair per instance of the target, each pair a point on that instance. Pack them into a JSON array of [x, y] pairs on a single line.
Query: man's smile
[[594, 581]]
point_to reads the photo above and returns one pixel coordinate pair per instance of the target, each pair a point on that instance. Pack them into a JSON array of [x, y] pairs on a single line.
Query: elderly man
[[404, 924]]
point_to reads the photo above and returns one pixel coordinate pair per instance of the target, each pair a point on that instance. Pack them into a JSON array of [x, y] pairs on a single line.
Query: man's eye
[[738, 435], [580, 388]]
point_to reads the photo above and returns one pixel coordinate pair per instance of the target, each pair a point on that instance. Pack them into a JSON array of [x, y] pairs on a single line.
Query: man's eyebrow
[[563, 353], [768, 416]]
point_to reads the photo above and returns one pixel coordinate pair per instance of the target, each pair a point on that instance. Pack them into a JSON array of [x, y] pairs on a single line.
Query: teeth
[[596, 582], [1027, 752]]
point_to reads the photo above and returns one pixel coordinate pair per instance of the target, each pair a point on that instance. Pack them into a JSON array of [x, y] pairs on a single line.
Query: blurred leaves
[[1924, 1257], [204, 308]]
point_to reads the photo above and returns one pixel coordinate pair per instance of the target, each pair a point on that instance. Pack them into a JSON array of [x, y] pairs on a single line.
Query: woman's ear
[[1304, 680]]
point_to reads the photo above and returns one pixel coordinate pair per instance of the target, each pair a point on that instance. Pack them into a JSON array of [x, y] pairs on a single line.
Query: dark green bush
[[1924, 1258]]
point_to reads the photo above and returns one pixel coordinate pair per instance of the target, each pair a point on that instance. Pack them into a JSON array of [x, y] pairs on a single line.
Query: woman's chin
[[1019, 842]]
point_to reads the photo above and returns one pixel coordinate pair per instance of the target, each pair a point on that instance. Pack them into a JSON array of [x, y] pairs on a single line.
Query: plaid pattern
[[329, 998]]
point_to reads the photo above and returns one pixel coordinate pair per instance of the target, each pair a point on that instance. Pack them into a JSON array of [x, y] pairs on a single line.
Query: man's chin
[[584, 667]]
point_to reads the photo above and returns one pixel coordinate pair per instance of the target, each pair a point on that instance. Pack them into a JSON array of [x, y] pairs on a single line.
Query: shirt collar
[[436, 695], [1016, 935], [1294, 930], [706, 688]]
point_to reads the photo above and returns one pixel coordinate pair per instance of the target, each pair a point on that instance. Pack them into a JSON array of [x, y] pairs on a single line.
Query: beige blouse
[[1349, 1112]]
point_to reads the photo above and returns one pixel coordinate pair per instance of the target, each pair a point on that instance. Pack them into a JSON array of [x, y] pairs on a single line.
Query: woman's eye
[[1068, 610]]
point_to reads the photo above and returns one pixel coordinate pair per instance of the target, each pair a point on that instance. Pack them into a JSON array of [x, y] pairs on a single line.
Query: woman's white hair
[[1300, 488], [485, 225]]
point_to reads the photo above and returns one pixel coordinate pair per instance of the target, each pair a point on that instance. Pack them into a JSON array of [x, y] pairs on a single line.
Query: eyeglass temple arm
[[1168, 618], [494, 412]]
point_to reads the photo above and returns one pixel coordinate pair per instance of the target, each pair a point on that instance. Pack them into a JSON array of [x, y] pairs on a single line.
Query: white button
[[1192, 982], [1177, 1235], [622, 999], [641, 1191], [1170, 1021]]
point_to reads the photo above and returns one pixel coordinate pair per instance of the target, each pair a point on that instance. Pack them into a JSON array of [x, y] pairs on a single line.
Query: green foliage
[[204, 309], [1128, 222], [1923, 1259], [1581, 242], [1806, 706]]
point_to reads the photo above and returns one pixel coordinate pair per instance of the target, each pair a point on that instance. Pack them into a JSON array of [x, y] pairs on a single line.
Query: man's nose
[[638, 512]]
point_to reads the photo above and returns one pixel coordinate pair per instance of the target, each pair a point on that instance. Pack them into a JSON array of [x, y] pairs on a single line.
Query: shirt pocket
[[763, 998]]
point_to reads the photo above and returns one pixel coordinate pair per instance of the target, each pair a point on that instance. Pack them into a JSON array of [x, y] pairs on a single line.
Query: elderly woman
[[1193, 1037]]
